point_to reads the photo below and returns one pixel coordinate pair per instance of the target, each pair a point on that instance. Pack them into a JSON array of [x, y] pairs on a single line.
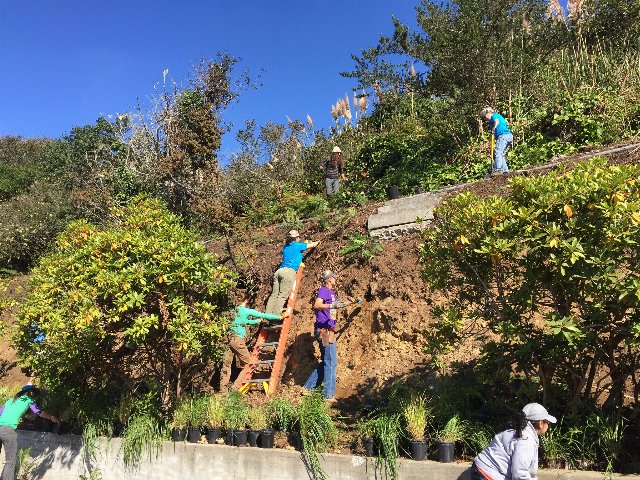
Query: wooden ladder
[[266, 358]]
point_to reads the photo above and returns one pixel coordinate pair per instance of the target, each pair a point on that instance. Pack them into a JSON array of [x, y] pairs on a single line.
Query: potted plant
[[180, 420], [366, 431], [197, 418], [235, 417], [416, 416], [257, 423], [214, 417], [282, 415], [454, 431]]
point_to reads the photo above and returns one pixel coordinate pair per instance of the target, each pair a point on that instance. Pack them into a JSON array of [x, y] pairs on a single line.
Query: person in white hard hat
[[286, 273], [513, 454], [333, 171]]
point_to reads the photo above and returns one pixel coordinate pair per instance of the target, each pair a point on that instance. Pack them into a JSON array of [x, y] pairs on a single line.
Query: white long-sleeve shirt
[[511, 458]]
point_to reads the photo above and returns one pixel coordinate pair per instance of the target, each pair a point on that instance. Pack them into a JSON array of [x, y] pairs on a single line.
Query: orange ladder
[[266, 358]]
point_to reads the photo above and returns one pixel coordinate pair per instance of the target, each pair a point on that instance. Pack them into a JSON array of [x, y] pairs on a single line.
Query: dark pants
[[475, 474], [9, 440]]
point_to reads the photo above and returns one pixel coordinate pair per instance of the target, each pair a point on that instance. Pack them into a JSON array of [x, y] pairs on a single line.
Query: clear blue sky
[[63, 64]]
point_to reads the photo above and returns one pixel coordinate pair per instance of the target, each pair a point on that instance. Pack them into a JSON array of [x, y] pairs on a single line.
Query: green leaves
[[551, 269], [141, 291]]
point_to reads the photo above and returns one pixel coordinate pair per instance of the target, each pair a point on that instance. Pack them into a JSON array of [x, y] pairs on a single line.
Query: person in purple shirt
[[10, 415], [325, 306]]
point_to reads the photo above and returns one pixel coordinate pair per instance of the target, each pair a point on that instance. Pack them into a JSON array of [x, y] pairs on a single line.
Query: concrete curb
[[61, 458]]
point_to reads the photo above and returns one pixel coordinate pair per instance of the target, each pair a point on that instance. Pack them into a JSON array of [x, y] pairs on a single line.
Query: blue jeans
[[326, 370], [332, 184], [503, 144]]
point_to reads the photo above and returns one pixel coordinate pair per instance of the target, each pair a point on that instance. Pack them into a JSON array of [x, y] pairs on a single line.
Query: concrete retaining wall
[[61, 458]]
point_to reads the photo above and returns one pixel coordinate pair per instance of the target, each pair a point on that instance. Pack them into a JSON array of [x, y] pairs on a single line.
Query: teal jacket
[[241, 320]]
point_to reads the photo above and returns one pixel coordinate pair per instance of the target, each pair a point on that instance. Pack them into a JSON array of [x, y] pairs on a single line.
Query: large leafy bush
[[551, 270], [136, 302], [29, 222]]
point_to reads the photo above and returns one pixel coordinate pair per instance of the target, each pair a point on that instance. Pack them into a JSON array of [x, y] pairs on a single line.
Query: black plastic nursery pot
[[193, 435], [446, 452], [230, 437], [393, 192], [213, 434], [418, 450], [240, 437], [178, 434], [368, 445], [253, 437], [266, 438]]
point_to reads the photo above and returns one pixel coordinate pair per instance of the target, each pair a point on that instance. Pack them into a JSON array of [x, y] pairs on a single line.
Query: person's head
[[293, 236], [486, 113], [29, 390], [329, 278], [539, 417], [336, 153], [242, 297]]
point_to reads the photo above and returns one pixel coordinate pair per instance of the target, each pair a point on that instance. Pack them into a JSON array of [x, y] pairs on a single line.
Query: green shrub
[[550, 271], [282, 414], [317, 430], [141, 291], [29, 224], [14, 180], [236, 411]]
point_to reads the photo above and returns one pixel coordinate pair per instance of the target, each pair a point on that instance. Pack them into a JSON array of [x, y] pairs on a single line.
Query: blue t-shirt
[[326, 318], [292, 255], [502, 128]]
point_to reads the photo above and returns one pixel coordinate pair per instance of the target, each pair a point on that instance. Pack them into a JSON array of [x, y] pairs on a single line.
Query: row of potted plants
[[215, 414], [383, 431]]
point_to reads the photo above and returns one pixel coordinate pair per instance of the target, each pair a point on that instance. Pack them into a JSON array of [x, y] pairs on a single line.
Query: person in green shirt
[[10, 415], [237, 343]]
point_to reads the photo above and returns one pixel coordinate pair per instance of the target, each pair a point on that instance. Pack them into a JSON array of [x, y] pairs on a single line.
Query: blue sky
[[63, 64]]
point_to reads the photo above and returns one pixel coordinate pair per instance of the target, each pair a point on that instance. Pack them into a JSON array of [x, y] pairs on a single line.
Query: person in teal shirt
[[10, 415], [286, 273], [504, 139], [237, 344]]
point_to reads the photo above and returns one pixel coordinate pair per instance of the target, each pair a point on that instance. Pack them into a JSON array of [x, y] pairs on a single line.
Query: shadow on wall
[[46, 452]]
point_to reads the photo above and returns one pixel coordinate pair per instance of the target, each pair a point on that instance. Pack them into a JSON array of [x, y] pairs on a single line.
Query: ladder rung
[[257, 380], [272, 327], [267, 344], [262, 362]]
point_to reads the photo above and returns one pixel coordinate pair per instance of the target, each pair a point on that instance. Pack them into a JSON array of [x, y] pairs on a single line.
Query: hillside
[[379, 341]]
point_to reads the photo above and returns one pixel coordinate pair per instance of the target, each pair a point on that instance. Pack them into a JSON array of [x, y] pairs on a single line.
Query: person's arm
[[320, 305], [35, 409], [267, 316], [522, 459], [495, 125], [311, 245], [341, 166]]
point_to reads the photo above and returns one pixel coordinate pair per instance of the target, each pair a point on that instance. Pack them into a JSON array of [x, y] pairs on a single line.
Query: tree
[[138, 301], [474, 51], [191, 125], [547, 276]]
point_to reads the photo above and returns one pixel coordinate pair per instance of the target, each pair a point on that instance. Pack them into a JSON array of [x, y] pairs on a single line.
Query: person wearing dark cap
[[286, 273], [10, 415], [513, 454]]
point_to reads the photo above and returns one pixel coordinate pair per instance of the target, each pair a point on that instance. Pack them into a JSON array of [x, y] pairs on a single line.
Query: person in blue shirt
[[286, 273], [503, 136]]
